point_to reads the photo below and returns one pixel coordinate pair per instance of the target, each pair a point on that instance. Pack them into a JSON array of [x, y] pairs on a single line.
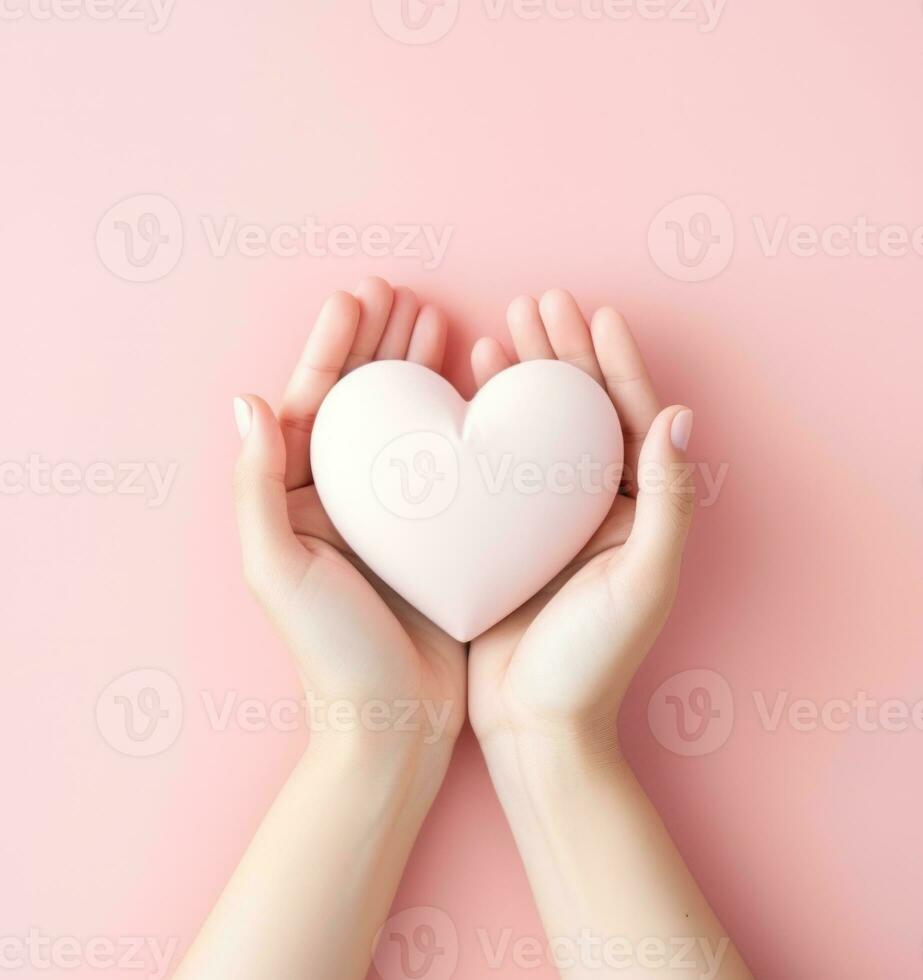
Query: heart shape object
[[467, 509]]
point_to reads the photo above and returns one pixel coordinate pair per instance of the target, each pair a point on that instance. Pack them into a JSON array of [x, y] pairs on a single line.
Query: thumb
[[268, 544], [666, 492]]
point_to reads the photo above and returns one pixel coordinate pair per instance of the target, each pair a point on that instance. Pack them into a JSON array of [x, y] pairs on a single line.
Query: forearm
[[615, 896], [319, 877]]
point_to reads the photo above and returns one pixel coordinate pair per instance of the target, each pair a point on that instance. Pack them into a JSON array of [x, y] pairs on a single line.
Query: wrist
[[387, 764], [384, 729], [537, 717], [533, 765]]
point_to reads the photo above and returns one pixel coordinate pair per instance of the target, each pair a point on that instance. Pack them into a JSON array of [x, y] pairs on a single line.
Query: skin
[[542, 688], [546, 684], [319, 878]]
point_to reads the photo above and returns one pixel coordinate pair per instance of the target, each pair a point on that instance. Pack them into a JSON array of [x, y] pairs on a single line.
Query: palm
[[553, 655], [394, 639], [354, 638], [540, 658]]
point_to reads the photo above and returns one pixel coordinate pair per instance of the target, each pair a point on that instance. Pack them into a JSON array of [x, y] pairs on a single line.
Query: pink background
[[549, 146]]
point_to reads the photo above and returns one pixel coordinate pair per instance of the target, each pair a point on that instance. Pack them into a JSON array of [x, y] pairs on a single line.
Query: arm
[[318, 879], [546, 684], [602, 865]]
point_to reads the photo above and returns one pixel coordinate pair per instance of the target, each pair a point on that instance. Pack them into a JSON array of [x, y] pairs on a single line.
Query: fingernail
[[243, 416], [681, 429]]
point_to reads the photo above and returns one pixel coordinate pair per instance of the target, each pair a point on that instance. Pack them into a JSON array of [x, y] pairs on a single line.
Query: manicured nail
[[681, 429], [243, 416]]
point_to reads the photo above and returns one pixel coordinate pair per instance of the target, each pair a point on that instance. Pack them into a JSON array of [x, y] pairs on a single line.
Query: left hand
[[559, 665]]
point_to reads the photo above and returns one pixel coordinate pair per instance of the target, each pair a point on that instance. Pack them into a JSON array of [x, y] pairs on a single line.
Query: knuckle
[[682, 506], [655, 577], [374, 285], [263, 579], [253, 578], [243, 483], [342, 303], [304, 424], [555, 295]]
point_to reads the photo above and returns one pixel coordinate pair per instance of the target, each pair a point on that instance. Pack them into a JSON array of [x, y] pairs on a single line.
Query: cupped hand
[[560, 664], [369, 661]]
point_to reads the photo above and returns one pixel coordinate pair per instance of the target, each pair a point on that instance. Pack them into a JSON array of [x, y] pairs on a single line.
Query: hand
[[289, 910], [545, 684], [560, 664], [354, 640]]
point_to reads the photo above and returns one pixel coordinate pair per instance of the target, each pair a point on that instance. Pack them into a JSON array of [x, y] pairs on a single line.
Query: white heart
[[467, 509]]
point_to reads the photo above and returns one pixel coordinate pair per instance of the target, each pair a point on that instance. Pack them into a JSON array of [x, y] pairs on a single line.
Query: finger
[[530, 338], [317, 371], [487, 359], [375, 297], [396, 338], [307, 517], [427, 343], [271, 552], [666, 494], [568, 332], [613, 531], [627, 381]]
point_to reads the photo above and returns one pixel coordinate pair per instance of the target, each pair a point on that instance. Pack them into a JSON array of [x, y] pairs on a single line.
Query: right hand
[[559, 665]]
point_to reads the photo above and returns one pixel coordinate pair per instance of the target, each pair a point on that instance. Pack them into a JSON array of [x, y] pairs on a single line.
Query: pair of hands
[[542, 688], [558, 666]]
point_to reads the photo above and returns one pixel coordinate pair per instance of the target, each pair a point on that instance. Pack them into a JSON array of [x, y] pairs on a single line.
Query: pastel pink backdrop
[[549, 147]]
